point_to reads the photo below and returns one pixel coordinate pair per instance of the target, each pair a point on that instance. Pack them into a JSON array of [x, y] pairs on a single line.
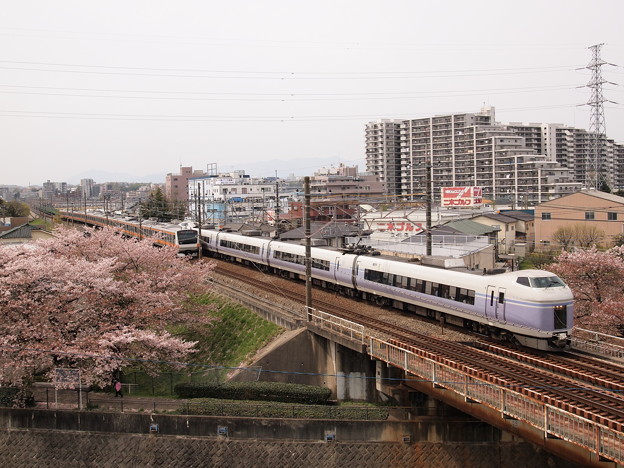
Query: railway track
[[589, 388]]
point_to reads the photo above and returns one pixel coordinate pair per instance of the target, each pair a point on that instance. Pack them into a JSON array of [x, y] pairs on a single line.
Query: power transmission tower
[[595, 173]]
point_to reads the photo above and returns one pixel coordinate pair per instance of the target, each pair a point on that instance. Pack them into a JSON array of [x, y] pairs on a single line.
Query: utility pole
[[199, 222], [224, 207], [429, 202], [140, 220], [594, 171], [308, 246], [277, 206]]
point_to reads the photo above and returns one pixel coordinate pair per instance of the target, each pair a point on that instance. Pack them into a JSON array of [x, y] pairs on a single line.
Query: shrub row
[[257, 391], [207, 407], [12, 396]]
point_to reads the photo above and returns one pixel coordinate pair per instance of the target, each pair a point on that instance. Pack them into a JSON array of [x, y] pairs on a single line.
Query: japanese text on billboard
[[462, 196]]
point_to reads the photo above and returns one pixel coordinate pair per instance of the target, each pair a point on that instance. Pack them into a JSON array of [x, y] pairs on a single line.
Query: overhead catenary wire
[[214, 118], [272, 97], [279, 75]]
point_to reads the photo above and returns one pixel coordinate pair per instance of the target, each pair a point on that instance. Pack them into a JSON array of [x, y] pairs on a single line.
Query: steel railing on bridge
[[599, 439]]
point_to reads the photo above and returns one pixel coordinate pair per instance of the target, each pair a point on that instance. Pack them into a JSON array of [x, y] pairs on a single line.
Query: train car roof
[[532, 273]]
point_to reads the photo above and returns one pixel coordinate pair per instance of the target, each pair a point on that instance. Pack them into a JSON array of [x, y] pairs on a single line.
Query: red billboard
[[461, 196]]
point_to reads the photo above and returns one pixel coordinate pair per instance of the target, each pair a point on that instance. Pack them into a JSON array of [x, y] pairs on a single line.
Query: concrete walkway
[[47, 397]]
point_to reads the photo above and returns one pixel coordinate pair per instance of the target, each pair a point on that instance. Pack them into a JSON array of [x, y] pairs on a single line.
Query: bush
[[208, 407], [256, 391], [12, 396]]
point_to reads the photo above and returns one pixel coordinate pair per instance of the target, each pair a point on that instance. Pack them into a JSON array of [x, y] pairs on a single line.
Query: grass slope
[[229, 341]]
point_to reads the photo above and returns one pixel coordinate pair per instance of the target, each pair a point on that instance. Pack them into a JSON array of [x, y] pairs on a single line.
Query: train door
[[491, 303], [501, 304], [495, 303]]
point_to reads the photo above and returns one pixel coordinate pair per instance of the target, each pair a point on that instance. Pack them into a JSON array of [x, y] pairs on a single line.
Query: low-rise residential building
[[507, 229], [8, 223], [23, 234], [592, 208]]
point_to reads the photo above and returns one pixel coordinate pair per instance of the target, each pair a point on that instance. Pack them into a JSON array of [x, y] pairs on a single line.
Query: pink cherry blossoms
[[597, 281], [94, 301]]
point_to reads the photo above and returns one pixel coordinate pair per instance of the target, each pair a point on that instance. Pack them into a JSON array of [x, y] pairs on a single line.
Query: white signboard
[[461, 196]]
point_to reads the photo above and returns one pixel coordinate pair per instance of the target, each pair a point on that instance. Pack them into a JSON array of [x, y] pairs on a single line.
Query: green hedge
[[257, 391], [208, 407]]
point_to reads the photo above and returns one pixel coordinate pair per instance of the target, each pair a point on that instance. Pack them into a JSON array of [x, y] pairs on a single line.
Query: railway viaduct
[[357, 366]]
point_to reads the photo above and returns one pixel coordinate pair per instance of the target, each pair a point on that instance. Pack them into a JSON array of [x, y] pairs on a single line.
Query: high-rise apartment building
[[514, 163], [572, 148], [88, 187], [383, 153]]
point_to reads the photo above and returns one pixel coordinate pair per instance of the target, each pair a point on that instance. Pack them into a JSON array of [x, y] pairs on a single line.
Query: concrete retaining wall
[[36, 448]]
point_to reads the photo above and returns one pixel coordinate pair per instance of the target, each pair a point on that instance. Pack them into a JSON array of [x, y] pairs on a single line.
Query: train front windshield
[[187, 236], [541, 282]]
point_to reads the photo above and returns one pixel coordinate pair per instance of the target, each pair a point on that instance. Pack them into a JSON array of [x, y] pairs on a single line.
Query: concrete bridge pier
[[300, 356]]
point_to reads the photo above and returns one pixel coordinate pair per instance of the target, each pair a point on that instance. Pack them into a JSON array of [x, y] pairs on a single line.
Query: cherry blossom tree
[[597, 281], [94, 301]]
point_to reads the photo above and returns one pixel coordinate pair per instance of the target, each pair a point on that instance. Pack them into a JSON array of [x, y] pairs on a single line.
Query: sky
[[131, 90]]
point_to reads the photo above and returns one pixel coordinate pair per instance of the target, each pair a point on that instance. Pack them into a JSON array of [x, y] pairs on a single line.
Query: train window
[[316, 263], [492, 298], [443, 291], [405, 282], [546, 282], [454, 293], [373, 275], [470, 298], [523, 280], [240, 246], [419, 286], [462, 296], [427, 287], [501, 297], [187, 237], [384, 278]]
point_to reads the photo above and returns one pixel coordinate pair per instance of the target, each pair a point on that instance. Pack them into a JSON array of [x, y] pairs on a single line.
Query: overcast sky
[[139, 88]]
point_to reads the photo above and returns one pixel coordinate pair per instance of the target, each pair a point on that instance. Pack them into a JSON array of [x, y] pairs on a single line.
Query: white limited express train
[[531, 307]]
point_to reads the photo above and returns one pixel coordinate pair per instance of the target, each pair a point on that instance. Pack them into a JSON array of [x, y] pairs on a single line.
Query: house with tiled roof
[[507, 228], [23, 234], [330, 234]]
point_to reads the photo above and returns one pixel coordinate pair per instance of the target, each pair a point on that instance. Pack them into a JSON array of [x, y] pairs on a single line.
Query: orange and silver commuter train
[[183, 237]]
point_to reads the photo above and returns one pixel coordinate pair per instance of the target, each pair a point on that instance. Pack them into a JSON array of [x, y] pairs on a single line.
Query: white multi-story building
[[383, 153], [572, 147], [345, 183], [233, 196], [517, 165]]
